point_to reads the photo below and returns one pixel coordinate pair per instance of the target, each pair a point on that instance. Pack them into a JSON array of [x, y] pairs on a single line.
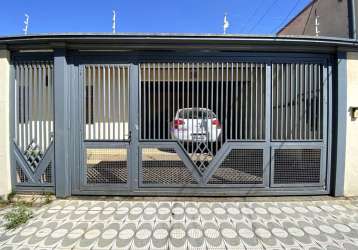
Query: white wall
[[351, 170], [5, 180]]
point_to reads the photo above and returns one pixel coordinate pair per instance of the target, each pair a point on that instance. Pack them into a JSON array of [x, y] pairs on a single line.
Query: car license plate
[[199, 137]]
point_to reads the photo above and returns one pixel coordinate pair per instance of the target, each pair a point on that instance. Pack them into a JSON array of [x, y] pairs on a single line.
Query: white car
[[195, 125]]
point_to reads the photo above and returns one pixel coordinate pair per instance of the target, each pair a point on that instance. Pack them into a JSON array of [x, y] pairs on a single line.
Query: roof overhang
[[169, 41]]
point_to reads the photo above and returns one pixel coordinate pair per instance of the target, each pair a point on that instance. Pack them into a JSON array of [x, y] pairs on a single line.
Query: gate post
[[134, 126], [340, 118], [5, 183], [62, 122]]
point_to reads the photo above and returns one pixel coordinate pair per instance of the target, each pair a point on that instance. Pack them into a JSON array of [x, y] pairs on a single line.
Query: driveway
[[158, 223]]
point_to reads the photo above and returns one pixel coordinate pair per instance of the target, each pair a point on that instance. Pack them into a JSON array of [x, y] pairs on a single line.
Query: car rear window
[[196, 114]]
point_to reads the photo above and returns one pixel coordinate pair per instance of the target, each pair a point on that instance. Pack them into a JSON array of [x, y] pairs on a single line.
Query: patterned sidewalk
[[93, 224]]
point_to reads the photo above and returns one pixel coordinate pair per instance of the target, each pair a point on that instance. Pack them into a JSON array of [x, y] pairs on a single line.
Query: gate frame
[[68, 63]]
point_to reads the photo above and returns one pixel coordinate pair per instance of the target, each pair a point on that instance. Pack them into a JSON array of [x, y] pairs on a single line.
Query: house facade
[[169, 114]]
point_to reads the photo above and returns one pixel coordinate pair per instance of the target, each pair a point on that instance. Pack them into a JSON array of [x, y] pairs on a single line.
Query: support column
[[62, 123], [5, 166], [340, 124], [351, 150]]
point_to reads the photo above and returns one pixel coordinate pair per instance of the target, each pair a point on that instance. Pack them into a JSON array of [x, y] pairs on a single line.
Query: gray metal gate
[[105, 126], [229, 123], [33, 125]]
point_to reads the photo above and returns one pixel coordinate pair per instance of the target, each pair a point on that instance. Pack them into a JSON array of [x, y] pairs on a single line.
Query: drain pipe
[[352, 19]]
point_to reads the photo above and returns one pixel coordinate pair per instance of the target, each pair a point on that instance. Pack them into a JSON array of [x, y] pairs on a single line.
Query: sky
[[176, 16]]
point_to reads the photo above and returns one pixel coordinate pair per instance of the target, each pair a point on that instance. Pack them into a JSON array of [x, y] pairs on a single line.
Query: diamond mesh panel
[[164, 166], [46, 177], [20, 175], [107, 166], [297, 166], [241, 166]]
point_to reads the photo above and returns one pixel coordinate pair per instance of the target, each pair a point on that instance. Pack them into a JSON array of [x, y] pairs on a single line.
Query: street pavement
[[178, 224]]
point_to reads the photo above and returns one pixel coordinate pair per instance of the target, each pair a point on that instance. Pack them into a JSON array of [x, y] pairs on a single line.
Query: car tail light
[[177, 123], [216, 123]]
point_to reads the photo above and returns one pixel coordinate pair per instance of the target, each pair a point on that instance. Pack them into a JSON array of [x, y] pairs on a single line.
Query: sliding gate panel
[[299, 123], [105, 130], [205, 109], [259, 123]]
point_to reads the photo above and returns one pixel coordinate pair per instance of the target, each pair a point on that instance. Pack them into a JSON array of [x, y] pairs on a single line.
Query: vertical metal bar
[[262, 112], [93, 101], [89, 81], [278, 99], [114, 107], [87, 87], [217, 103], [17, 105], [178, 94], [52, 100], [286, 99], [159, 106], [302, 84], [98, 133], [92, 97], [256, 104], [246, 102], [314, 115], [281, 115], [305, 102], [91, 76], [291, 100], [251, 100], [296, 101], [241, 100], [127, 101], [172, 83], [35, 83], [48, 104], [236, 99], [103, 120], [40, 85], [155, 83], [212, 102], [27, 105], [31, 92], [232, 103], [273, 88], [192, 95], [143, 111], [22, 107], [84, 98], [319, 102], [226, 113], [209, 135], [188, 96], [183, 85], [222, 104], [309, 102], [149, 104], [120, 96], [108, 102], [167, 73], [123, 100]]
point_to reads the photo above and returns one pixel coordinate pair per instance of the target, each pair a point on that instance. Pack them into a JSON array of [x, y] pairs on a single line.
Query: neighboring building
[[333, 19]]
